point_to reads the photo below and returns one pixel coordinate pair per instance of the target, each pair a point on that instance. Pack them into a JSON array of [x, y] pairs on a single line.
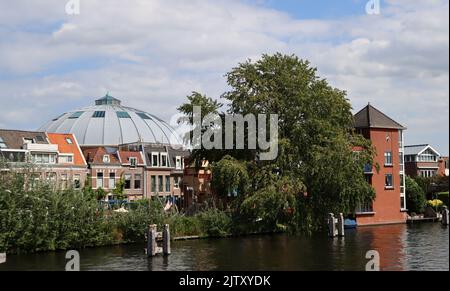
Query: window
[[69, 140], [403, 203], [123, 114], [428, 173], [178, 163], [99, 180], [153, 184], [133, 162], [63, 181], [2, 144], [43, 158], [65, 159], [160, 183], [127, 181], [76, 115], [155, 160], [137, 181], [428, 156], [29, 141], [164, 160], [176, 182], [40, 138], [388, 158], [365, 208], [143, 115], [402, 184], [77, 181], [99, 114], [106, 159], [167, 184], [389, 181], [51, 177], [112, 181]]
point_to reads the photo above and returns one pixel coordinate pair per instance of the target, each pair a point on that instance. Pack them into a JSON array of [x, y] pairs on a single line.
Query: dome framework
[[108, 123]]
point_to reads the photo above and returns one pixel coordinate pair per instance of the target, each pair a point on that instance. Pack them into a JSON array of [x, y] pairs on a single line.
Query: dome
[[108, 123]]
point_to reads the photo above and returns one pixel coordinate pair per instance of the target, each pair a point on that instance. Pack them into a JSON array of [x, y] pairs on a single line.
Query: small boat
[[350, 224]]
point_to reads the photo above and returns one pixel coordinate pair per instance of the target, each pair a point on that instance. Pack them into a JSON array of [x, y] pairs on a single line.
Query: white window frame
[[106, 159], [66, 158], [153, 159], [179, 163], [135, 163], [166, 156]]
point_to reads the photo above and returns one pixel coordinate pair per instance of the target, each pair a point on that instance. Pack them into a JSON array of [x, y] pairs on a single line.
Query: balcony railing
[[34, 147]]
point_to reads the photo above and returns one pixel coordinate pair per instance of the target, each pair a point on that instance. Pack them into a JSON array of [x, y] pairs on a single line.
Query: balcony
[[45, 148]]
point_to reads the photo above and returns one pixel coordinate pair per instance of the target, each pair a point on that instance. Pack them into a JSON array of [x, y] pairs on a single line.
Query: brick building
[[386, 136]]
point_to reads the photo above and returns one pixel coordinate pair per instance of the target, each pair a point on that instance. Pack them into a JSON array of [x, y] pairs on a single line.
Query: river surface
[[401, 248]]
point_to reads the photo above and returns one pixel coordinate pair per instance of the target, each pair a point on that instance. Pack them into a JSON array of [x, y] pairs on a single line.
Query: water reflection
[[421, 247]]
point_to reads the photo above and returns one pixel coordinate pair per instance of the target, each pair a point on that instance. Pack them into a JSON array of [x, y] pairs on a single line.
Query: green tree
[[119, 191], [317, 139], [415, 196], [230, 175]]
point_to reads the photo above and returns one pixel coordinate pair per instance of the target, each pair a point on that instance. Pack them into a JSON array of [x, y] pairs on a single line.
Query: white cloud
[[153, 53]]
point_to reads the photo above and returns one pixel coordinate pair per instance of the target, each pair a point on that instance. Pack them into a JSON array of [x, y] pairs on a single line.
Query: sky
[[151, 54]]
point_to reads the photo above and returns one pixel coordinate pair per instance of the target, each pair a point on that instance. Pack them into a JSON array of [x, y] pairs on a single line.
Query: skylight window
[[76, 115], [99, 114], [57, 118], [143, 115], [69, 140], [123, 114], [39, 138]]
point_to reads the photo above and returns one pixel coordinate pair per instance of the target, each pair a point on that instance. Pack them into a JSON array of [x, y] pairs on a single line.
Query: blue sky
[[151, 54], [319, 9]]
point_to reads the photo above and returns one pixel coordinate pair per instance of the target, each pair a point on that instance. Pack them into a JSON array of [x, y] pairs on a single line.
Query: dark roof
[[14, 139], [370, 117]]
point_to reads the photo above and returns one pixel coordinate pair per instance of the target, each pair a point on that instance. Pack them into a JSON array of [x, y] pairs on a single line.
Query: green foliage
[[38, 218], [415, 196], [119, 191], [316, 139], [215, 223], [230, 175]]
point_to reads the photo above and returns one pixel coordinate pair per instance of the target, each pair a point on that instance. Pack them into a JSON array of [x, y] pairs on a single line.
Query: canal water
[[401, 248]]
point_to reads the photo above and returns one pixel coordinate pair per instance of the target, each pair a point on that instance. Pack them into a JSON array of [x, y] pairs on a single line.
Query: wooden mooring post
[[336, 225], [445, 214], [153, 236]]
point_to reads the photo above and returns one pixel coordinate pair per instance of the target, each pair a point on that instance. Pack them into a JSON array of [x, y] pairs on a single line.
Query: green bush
[[415, 196], [215, 223]]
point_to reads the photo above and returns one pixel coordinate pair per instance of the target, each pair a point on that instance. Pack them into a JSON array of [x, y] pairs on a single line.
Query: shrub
[[415, 196]]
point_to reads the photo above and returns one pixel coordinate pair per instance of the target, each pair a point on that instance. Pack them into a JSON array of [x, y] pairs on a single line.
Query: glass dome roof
[[108, 123]]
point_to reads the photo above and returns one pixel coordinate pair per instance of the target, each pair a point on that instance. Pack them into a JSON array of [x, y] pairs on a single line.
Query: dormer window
[[106, 159], [133, 162], [179, 163], [29, 141], [164, 160], [155, 160]]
